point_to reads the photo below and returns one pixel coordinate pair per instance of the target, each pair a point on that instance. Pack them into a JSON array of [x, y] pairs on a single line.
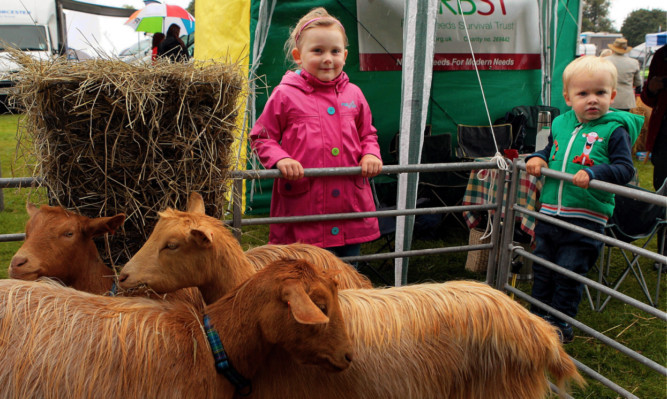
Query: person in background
[[629, 74], [591, 142], [172, 47], [316, 118], [654, 94], [157, 39]]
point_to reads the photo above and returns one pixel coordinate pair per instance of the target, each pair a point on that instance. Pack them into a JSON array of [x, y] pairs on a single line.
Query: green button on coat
[[335, 231], [335, 151]]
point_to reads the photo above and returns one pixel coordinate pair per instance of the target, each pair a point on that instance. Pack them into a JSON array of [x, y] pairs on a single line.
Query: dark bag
[[518, 122], [530, 113]]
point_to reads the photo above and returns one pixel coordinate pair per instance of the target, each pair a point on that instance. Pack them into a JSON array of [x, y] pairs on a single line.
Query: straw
[[110, 137]]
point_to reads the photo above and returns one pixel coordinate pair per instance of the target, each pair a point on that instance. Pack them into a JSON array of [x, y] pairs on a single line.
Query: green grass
[[629, 326], [14, 216]]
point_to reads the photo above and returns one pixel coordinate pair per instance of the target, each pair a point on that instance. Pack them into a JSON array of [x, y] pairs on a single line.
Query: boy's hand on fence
[[581, 179], [371, 166], [290, 168], [534, 166]]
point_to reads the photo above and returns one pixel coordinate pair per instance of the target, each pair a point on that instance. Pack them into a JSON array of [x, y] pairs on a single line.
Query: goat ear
[[195, 204], [302, 307], [335, 275], [31, 208], [115, 222], [101, 226], [202, 237]]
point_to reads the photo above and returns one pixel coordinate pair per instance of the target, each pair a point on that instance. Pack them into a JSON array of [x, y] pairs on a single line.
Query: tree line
[[636, 25]]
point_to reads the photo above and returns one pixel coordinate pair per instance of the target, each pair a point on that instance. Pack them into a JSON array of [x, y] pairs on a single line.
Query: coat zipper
[[567, 156]]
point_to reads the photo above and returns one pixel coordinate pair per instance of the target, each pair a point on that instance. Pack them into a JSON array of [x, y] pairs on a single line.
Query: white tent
[[643, 51], [656, 39]]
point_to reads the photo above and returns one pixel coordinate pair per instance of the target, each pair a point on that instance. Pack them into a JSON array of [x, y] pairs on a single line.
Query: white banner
[[504, 34]]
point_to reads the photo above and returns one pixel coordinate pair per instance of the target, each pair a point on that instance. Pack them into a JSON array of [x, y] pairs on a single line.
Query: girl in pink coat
[[316, 118]]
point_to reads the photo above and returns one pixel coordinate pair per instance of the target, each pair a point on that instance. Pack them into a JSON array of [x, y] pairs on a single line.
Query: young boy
[[591, 141]]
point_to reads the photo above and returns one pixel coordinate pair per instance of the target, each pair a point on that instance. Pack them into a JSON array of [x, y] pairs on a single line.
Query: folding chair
[[633, 220], [387, 226], [477, 141], [444, 188]]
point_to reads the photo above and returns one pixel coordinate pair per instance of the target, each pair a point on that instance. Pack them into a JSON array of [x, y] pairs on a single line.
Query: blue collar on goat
[[222, 363]]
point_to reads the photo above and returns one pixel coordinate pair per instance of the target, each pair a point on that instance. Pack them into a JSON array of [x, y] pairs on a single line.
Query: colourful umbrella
[[158, 17]]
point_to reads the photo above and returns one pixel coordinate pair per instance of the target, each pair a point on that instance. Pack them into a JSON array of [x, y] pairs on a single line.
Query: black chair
[[434, 188], [633, 220], [477, 141], [387, 225], [442, 188]]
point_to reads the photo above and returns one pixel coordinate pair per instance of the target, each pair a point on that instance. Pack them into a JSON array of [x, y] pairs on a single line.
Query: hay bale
[[112, 137]]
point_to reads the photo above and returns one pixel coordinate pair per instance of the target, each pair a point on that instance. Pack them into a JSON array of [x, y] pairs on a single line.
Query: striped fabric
[[552, 210], [479, 192]]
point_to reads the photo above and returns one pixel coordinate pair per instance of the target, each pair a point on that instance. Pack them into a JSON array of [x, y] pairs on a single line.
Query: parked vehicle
[[33, 26], [77, 55], [138, 52], [599, 39]]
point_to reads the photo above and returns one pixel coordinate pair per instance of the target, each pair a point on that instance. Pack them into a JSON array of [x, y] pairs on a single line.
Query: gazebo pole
[[418, 41]]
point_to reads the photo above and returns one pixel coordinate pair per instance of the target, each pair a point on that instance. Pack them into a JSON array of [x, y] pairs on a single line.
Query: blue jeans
[[346, 250], [571, 250]]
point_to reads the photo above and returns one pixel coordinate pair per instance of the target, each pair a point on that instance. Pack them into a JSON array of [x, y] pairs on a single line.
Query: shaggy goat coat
[[348, 277], [455, 340], [56, 342]]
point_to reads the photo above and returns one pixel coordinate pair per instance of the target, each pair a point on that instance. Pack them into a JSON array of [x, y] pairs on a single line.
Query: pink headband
[[296, 38]]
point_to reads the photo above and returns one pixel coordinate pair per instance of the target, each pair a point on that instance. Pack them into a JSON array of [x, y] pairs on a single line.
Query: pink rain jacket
[[321, 125]]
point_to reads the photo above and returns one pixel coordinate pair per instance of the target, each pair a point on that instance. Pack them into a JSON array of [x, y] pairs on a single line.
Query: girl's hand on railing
[[371, 166], [290, 168]]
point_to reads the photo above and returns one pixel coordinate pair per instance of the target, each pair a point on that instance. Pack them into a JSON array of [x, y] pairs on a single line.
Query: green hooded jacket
[[576, 147]]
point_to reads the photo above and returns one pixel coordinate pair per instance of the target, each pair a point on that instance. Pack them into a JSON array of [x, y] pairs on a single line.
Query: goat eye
[[171, 245], [69, 234]]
